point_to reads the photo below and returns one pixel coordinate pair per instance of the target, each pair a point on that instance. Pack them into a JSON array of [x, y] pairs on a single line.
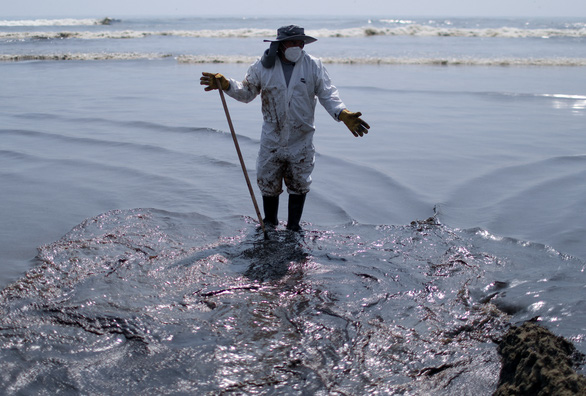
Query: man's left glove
[[211, 79], [355, 124]]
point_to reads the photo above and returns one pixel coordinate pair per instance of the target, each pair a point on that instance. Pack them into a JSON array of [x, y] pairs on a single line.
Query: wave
[[94, 56], [57, 22], [410, 30], [464, 61], [132, 34], [504, 32], [235, 59]]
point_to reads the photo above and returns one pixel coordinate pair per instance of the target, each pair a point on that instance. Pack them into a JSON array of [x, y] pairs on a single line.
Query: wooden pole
[[262, 224]]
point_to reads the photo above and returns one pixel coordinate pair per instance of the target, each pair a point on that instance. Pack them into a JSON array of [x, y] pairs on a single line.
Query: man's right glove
[[211, 79], [355, 124]]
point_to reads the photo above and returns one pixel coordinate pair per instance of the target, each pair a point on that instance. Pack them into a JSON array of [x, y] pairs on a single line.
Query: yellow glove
[[355, 124], [211, 80]]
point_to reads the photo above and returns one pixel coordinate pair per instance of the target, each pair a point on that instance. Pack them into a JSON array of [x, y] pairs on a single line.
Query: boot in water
[[296, 202], [271, 208]]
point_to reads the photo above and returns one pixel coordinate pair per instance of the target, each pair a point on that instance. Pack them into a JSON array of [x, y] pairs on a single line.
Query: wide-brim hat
[[292, 32]]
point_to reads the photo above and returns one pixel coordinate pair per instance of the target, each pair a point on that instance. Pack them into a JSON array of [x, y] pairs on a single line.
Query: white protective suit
[[286, 147]]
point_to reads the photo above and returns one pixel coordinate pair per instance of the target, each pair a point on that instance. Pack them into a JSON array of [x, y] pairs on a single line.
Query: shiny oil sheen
[[151, 301]]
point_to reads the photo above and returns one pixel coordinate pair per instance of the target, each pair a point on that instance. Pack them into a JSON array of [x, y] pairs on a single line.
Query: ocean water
[[130, 254]]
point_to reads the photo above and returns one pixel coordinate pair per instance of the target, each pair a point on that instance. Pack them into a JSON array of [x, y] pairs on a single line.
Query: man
[[290, 82]]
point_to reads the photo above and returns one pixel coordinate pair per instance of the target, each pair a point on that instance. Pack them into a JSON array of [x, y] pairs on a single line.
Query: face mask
[[293, 54]]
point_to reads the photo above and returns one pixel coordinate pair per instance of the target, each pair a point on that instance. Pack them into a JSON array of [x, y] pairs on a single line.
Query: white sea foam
[[80, 56], [408, 30], [56, 22], [122, 34], [430, 31], [235, 59], [130, 34], [403, 61]]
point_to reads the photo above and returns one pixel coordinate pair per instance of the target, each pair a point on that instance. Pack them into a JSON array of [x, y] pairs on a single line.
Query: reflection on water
[[574, 102]]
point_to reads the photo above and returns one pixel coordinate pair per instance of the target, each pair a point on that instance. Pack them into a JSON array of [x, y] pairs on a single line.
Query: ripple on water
[[147, 300]]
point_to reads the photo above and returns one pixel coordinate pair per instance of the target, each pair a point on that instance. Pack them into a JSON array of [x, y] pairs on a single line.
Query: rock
[[537, 362]]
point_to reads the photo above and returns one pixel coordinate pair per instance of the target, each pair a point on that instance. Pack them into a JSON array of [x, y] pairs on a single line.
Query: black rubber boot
[[271, 208], [296, 202]]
